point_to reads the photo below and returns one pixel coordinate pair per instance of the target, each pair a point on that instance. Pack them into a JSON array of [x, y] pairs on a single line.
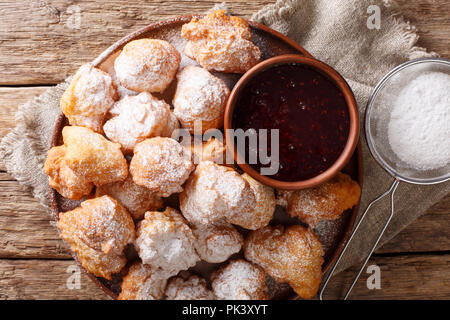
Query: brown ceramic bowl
[[332, 75]]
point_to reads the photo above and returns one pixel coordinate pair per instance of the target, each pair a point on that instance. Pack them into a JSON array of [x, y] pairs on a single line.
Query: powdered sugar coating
[[98, 232], [221, 43], [93, 157], [136, 199], [293, 254], [88, 98], [324, 202], [147, 65], [165, 242], [217, 242], [263, 210], [135, 118], [240, 280], [200, 97], [215, 192], [161, 165], [142, 283], [62, 178], [192, 288]]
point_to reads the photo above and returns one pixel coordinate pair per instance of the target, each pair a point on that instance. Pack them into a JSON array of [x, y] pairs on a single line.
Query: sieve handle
[[391, 191]]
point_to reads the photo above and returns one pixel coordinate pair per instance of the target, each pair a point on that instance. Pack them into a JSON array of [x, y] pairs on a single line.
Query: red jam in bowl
[[308, 109]]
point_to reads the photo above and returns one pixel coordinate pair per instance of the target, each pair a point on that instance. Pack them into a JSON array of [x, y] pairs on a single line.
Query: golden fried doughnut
[[200, 98], [136, 199], [215, 192], [293, 254], [142, 283], [165, 242], [88, 98], [98, 232], [62, 178], [263, 210], [217, 242], [221, 43], [161, 165], [93, 157], [325, 202], [135, 118], [212, 150], [147, 65], [239, 280], [191, 287]]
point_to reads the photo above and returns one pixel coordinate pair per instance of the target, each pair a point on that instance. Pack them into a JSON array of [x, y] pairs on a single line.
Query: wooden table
[[39, 49]]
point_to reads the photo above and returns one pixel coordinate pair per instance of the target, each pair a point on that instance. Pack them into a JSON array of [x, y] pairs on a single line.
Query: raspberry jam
[[308, 109]]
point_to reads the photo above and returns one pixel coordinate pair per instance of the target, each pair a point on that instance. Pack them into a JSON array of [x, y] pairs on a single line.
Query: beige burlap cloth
[[334, 31]]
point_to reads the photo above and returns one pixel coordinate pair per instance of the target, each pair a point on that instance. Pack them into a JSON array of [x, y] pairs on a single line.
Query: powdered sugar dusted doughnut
[[263, 210], [217, 242], [161, 165], [215, 192], [98, 232], [200, 98], [221, 43], [293, 254], [135, 198], [135, 118], [325, 202], [92, 156], [191, 288], [147, 65], [62, 178], [165, 242], [142, 283], [88, 98], [212, 150], [240, 280]]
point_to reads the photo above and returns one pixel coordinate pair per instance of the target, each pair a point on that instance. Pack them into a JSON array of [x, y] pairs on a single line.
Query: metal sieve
[[376, 128]]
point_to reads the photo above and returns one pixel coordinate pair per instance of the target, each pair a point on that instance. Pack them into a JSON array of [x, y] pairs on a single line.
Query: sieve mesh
[[378, 115]]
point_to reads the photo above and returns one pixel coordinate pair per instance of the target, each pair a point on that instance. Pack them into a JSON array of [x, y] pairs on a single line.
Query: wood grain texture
[[45, 49], [403, 277], [44, 279], [416, 277]]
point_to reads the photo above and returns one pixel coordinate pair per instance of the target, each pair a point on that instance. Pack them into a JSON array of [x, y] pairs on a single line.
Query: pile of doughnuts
[[119, 158]]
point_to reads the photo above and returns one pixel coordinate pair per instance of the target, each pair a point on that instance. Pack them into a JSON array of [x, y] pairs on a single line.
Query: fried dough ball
[[88, 98], [212, 150], [221, 43], [93, 157], [147, 65], [200, 98], [217, 242], [239, 280], [62, 178], [98, 232], [142, 283], [215, 192], [136, 199], [135, 118], [165, 242], [161, 165], [325, 202], [293, 254], [263, 210], [191, 287]]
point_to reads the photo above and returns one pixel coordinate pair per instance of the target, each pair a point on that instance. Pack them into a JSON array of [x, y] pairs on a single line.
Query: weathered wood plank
[[44, 279], [416, 277], [25, 226], [431, 232], [402, 277], [44, 48]]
